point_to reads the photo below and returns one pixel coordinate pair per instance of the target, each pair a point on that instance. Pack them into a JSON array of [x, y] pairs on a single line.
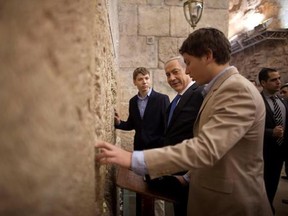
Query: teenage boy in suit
[[147, 117], [225, 157], [275, 135], [146, 113]]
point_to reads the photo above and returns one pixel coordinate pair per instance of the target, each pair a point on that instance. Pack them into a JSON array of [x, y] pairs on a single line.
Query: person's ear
[[209, 56]]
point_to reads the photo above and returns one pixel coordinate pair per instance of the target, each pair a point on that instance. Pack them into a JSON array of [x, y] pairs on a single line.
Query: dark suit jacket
[[270, 144], [273, 154], [184, 116], [149, 131]]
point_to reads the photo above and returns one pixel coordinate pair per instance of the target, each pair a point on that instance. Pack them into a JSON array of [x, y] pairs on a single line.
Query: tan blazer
[[225, 157]]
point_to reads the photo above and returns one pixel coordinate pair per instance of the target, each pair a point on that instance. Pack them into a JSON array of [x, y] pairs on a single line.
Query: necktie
[[173, 106], [278, 117]]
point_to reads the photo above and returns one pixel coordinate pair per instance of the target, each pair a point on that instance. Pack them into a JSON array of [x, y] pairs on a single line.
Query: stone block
[[126, 138], [155, 2], [128, 19], [216, 4], [179, 25], [168, 47], [153, 20], [174, 2], [180, 41], [126, 86], [160, 83], [137, 2], [214, 18], [134, 52], [56, 100]]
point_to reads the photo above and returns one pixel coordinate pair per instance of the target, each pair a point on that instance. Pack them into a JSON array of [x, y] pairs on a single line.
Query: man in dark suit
[[147, 117], [284, 94], [275, 135], [180, 122], [180, 127]]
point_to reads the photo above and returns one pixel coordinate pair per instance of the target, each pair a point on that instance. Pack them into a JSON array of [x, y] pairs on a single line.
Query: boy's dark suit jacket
[[274, 155], [149, 131], [184, 116]]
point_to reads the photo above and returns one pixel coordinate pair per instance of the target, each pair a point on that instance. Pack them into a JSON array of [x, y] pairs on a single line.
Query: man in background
[[147, 117], [275, 135], [284, 94]]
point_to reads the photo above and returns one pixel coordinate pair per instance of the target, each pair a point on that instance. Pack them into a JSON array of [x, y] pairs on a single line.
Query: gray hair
[[179, 59]]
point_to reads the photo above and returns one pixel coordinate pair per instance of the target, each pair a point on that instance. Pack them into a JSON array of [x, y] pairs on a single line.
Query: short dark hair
[[204, 40], [140, 70], [263, 74]]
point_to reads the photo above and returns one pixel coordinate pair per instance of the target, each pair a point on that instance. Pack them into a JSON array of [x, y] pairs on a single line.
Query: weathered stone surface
[[161, 85], [134, 51], [155, 2], [126, 87], [179, 25], [216, 4], [174, 2], [128, 19], [55, 64], [138, 2], [215, 18], [168, 47], [267, 54], [153, 20]]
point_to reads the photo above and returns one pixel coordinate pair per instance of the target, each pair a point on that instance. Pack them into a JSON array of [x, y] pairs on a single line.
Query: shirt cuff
[[186, 177], [138, 164]]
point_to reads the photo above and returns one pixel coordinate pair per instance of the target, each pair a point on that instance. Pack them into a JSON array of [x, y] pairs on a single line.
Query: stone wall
[[152, 31], [271, 53], [57, 93]]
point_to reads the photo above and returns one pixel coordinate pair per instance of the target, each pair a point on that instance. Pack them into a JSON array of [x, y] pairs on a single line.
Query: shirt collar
[[211, 83], [268, 95], [148, 95], [188, 86]]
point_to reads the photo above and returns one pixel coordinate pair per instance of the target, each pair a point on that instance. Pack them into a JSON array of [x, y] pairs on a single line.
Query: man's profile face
[[196, 68], [176, 76], [142, 82], [273, 83]]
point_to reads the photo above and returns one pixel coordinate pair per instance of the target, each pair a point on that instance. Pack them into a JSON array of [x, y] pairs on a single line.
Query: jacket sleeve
[[129, 123]]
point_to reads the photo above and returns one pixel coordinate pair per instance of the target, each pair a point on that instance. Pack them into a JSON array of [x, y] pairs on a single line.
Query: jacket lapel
[[184, 99], [148, 106], [268, 108], [135, 107], [215, 86]]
